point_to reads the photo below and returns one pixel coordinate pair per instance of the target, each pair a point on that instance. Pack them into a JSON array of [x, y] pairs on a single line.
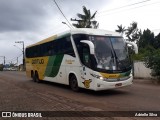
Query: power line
[[125, 6], [145, 5], [128, 9], [62, 12]]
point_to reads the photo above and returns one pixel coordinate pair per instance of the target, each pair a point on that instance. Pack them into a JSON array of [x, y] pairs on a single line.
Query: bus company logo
[[87, 83], [6, 114], [37, 61], [70, 61]]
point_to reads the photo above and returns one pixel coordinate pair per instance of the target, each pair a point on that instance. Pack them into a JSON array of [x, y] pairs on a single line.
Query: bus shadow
[[110, 92], [57, 85]]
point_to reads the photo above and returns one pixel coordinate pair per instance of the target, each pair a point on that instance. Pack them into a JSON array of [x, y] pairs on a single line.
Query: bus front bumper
[[104, 85]]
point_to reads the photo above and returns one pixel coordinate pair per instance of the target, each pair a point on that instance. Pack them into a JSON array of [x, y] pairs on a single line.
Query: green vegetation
[[148, 44], [132, 32], [152, 61]]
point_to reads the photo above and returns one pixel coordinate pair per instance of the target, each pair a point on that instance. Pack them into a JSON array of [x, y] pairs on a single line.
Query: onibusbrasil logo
[[21, 114]]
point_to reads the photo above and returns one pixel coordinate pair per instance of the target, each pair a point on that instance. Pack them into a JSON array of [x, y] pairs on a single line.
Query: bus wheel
[[73, 83], [33, 76], [37, 78]]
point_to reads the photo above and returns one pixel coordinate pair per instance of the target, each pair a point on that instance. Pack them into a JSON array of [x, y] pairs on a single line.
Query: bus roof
[[89, 31], [94, 32]]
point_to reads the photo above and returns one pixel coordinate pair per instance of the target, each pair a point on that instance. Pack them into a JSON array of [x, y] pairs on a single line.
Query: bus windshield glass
[[110, 53]]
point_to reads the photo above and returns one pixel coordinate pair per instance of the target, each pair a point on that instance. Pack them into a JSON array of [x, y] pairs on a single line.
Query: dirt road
[[19, 93]]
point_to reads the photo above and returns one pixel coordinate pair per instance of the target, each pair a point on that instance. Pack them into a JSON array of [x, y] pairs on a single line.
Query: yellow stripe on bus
[[106, 75], [44, 41]]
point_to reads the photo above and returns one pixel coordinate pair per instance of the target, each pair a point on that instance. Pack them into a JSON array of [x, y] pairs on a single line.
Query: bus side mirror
[[135, 47], [91, 46]]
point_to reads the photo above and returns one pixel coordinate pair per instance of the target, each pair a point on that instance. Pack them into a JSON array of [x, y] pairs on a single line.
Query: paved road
[[19, 93]]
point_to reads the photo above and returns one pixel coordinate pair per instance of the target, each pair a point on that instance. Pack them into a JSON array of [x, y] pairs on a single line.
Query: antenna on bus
[[70, 26]]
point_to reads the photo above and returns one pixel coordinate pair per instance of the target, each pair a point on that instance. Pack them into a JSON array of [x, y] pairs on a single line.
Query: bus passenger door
[[86, 60]]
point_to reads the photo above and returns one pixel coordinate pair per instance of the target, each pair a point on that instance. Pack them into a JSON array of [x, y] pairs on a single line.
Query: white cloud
[[145, 14]]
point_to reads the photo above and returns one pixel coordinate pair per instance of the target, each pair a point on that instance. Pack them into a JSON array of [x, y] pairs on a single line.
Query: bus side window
[[35, 51], [51, 49], [69, 47], [66, 46]]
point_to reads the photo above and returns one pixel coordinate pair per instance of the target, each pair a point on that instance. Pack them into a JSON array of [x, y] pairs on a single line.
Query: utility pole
[[23, 61], [4, 60], [17, 61]]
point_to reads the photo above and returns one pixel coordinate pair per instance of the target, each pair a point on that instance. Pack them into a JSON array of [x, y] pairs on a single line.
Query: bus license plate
[[118, 84]]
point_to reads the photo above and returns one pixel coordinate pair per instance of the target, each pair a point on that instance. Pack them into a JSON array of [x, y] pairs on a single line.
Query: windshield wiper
[[115, 56], [119, 62]]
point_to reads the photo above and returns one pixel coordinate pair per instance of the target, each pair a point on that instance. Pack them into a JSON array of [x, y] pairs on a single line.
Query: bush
[[143, 52], [152, 61]]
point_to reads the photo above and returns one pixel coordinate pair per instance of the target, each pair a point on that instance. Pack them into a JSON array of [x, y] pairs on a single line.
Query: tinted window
[[66, 46], [59, 46]]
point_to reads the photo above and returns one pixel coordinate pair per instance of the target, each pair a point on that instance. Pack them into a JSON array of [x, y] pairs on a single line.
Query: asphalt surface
[[19, 93]]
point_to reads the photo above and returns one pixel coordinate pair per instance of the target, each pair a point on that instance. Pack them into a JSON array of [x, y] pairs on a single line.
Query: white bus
[[81, 58]]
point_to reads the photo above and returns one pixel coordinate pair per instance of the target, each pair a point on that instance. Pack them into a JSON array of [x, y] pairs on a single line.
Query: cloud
[[22, 15], [34, 20], [27, 15]]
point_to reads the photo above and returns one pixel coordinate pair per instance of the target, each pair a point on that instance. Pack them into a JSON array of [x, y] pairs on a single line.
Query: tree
[[146, 39], [132, 32], [121, 29], [157, 41], [86, 20]]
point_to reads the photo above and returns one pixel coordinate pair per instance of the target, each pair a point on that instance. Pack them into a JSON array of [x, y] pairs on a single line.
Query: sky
[[33, 20]]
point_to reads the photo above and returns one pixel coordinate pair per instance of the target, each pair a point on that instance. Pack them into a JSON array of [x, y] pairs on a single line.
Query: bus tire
[[37, 77], [33, 76], [73, 83]]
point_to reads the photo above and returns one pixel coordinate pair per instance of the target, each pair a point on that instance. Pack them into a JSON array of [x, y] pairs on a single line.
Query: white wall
[[140, 71]]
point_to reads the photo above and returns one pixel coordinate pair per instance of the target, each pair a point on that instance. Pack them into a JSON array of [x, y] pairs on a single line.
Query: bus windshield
[[110, 53]]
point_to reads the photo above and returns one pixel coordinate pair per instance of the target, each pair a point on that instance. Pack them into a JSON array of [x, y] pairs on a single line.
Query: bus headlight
[[97, 76], [101, 78]]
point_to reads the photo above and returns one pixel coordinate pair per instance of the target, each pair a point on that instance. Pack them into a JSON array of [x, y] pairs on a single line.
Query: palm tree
[[86, 19], [132, 32], [121, 29]]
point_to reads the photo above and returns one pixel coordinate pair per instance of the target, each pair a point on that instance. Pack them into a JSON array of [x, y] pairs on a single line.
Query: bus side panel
[[88, 81], [38, 64], [29, 67], [72, 66], [84, 78]]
